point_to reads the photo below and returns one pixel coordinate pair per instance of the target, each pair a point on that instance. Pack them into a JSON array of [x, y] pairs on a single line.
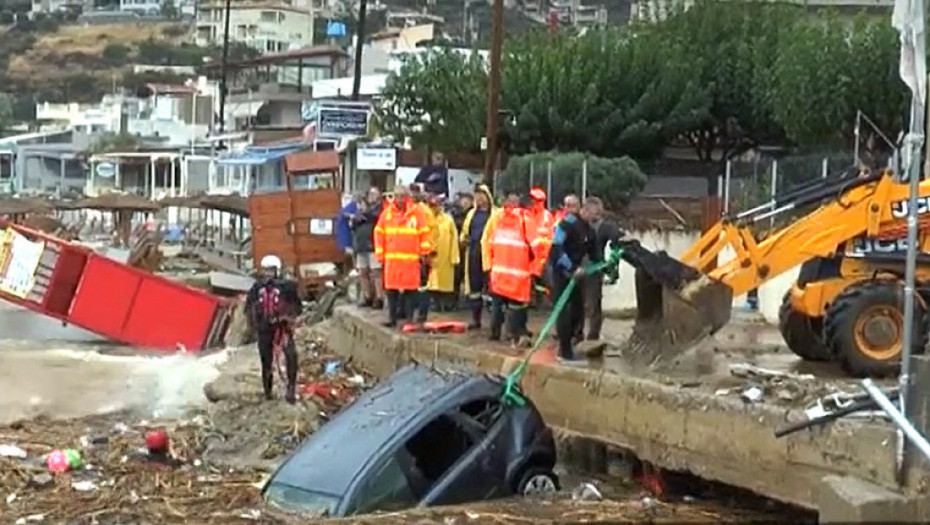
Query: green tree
[[826, 71], [116, 54], [607, 92], [730, 46], [437, 101], [6, 111], [169, 9]]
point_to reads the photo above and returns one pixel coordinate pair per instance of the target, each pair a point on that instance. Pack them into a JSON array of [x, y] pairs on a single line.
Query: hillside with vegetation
[[56, 62]]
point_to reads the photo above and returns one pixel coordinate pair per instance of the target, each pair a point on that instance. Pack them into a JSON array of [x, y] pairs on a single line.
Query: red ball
[[157, 440]]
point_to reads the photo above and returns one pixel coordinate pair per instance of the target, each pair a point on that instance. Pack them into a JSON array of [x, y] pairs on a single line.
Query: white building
[[268, 27], [142, 7], [104, 117], [57, 6]]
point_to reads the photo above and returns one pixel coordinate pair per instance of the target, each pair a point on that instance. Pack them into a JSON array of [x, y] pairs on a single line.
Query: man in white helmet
[[273, 304]]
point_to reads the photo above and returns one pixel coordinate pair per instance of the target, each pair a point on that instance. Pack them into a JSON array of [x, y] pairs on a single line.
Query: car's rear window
[[294, 499]]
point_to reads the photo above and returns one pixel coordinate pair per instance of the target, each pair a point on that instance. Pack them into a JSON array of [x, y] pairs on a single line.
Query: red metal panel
[[104, 297], [165, 315], [124, 303]]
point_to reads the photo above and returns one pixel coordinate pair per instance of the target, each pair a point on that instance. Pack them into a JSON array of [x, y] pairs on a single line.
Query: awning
[[258, 156], [245, 109]]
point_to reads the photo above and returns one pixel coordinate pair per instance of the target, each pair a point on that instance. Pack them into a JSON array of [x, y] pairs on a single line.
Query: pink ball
[[57, 461]]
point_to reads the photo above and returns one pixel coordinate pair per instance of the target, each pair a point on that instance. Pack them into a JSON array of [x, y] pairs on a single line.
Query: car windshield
[[294, 499]]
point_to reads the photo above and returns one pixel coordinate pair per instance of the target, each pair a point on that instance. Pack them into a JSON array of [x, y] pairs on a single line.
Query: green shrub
[[615, 180]]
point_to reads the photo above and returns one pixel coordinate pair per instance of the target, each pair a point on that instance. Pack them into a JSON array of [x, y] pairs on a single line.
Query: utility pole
[[359, 42], [223, 70], [494, 90]]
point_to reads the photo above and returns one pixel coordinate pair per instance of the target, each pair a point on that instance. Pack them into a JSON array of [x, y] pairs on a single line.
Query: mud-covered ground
[[228, 445]]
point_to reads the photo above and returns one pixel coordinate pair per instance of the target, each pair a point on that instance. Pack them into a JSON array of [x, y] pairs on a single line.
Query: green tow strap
[[512, 395]]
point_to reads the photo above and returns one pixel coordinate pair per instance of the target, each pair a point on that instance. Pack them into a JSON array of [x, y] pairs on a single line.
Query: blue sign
[[334, 29]]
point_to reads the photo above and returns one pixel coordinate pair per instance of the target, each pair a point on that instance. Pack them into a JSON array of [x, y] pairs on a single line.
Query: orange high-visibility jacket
[[543, 221], [511, 255], [402, 236]]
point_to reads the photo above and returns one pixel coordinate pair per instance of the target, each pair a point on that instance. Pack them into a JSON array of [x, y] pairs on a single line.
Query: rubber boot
[[476, 306], [291, 395], [267, 380]]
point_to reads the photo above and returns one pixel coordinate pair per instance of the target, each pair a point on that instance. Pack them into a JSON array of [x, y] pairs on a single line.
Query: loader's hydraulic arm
[[851, 207]]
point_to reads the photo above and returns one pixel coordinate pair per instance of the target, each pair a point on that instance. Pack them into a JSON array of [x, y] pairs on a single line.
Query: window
[[386, 489], [430, 461], [269, 16], [305, 501], [484, 412]]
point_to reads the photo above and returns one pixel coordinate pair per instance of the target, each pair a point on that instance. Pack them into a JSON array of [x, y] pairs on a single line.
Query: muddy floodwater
[[60, 372], [63, 372]]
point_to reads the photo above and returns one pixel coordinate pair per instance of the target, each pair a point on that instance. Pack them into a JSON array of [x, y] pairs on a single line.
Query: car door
[[481, 472], [384, 488]]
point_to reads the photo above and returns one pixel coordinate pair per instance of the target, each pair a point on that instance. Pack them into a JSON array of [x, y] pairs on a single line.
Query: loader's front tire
[[864, 328], [802, 334]]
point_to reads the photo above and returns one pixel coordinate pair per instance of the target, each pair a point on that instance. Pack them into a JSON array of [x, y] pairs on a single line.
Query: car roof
[[329, 460]]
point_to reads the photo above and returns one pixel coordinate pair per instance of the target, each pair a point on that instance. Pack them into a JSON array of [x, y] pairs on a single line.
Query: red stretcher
[[78, 286], [435, 327]]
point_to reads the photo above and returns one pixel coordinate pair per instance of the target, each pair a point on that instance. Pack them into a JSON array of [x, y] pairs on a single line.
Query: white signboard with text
[[22, 261], [376, 159]]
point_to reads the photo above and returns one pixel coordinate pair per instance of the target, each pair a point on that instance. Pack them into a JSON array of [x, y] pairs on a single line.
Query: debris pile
[[219, 456]]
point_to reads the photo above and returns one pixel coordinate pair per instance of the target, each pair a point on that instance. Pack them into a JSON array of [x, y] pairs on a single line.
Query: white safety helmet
[[271, 261]]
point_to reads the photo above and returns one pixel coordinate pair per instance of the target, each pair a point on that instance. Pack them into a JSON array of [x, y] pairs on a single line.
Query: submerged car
[[422, 437]]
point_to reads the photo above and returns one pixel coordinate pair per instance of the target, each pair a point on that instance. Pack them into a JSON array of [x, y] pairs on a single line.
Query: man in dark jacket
[[369, 268], [273, 305], [572, 244], [604, 232], [459, 210], [435, 177]]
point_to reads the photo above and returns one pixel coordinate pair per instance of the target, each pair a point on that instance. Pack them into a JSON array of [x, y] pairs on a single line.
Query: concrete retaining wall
[[710, 436]]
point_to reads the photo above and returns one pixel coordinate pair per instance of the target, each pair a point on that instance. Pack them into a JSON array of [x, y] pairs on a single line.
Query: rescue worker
[[273, 305], [445, 257], [403, 243], [572, 242], [510, 235], [544, 223], [476, 257], [604, 232]]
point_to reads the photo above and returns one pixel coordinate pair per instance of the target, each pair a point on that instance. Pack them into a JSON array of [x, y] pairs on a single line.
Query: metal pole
[[856, 137], [774, 190], [913, 172], [824, 167], [726, 187], [549, 184], [224, 71], [359, 43], [897, 417], [494, 90], [584, 179], [532, 168]]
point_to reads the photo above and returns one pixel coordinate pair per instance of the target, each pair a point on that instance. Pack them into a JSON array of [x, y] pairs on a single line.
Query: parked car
[[422, 437]]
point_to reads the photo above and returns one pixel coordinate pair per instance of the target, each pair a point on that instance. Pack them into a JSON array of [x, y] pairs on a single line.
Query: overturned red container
[[78, 286]]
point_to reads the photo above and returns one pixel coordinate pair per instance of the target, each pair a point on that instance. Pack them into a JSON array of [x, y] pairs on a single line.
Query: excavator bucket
[[683, 303]]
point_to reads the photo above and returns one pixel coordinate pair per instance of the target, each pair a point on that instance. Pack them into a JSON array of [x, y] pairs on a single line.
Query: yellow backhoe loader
[[846, 305]]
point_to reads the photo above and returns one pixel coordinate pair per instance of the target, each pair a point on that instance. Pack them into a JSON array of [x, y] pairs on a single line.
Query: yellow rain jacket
[[463, 236], [446, 249]]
